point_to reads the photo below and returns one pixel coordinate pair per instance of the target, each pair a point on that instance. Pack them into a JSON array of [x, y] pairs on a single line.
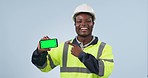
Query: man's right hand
[[43, 50]]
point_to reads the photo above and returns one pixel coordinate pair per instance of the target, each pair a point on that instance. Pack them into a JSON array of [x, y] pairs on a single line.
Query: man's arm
[[90, 62], [102, 66], [39, 59]]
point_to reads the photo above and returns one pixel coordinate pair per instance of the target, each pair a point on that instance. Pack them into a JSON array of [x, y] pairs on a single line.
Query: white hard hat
[[84, 8]]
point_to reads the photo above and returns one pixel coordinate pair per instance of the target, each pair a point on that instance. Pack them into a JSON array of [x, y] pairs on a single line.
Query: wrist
[[81, 55]]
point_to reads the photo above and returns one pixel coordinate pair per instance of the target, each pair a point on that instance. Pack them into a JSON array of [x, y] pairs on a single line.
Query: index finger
[[71, 44], [45, 38]]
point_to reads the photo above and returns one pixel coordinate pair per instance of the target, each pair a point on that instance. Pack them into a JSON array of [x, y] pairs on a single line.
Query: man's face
[[84, 24]]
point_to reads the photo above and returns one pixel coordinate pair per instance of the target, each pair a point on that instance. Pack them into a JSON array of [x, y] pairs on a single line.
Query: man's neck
[[85, 40]]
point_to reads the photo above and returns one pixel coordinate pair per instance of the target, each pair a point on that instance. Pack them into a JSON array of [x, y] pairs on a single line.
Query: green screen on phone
[[51, 43]]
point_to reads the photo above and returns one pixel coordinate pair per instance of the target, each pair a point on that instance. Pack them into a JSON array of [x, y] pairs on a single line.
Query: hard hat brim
[[89, 13]]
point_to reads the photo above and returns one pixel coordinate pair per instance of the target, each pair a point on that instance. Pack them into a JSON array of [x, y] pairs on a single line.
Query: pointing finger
[[71, 44]]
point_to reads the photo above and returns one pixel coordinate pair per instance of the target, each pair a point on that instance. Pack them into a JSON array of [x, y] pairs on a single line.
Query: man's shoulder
[[104, 43]]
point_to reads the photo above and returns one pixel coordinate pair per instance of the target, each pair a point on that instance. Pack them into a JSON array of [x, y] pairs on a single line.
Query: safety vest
[[72, 67]]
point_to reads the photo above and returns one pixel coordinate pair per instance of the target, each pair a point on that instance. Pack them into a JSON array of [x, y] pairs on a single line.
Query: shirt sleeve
[[90, 62], [39, 59]]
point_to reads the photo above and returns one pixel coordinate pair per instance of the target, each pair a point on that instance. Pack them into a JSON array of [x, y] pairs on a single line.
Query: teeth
[[84, 28]]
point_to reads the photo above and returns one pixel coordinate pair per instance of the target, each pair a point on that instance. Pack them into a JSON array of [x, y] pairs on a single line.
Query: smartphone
[[50, 43]]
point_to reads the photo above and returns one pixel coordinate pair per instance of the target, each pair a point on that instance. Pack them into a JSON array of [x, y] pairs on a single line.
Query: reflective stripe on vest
[[100, 62], [64, 67], [51, 62], [65, 52], [74, 69]]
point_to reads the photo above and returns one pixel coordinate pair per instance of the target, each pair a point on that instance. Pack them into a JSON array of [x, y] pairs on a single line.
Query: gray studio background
[[120, 23]]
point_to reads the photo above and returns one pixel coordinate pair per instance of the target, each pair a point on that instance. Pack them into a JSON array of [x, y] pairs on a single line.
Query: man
[[85, 56]]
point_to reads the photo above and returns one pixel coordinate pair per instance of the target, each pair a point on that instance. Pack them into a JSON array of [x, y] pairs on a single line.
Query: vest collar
[[76, 42]]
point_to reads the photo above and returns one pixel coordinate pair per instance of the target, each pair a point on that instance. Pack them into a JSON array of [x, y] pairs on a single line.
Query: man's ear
[[74, 23], [93, 23]]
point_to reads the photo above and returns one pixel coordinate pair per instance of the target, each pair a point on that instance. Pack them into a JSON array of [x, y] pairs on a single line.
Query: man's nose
[[83, 24]]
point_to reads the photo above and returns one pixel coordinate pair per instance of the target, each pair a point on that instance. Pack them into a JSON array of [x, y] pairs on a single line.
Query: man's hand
[[42, 50], [76, 50]]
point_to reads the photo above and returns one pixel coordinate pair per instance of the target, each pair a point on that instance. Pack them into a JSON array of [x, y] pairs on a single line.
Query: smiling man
[[85, 56]]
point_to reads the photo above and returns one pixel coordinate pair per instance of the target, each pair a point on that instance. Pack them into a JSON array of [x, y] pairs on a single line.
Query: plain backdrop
[[121, 23]]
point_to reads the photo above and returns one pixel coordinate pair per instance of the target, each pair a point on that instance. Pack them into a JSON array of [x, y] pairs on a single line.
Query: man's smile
[[83, 29]]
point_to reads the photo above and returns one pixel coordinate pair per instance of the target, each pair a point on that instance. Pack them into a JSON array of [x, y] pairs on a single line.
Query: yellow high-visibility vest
[[72, 67]]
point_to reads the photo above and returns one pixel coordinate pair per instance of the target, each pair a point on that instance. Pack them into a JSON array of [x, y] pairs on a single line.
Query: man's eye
[[88, 20], [78, 21]]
